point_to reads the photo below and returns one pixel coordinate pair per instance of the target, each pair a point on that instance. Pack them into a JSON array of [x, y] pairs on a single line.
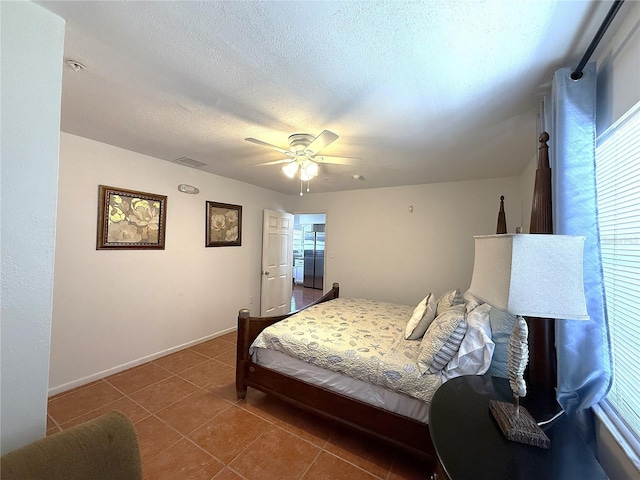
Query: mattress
[[365, 392]]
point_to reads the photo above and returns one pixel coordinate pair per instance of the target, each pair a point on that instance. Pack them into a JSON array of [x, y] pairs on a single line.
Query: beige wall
[[32, 47], [619, 69], [376, 248], [115, 309]]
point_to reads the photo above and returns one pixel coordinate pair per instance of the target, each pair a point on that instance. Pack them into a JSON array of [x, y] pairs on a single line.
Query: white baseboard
[[134, 363]]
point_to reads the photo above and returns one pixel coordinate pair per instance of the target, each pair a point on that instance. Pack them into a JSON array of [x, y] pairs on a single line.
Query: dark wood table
[[471, 446]]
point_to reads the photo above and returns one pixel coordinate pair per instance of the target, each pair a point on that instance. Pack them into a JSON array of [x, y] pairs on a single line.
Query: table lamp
[[534, 276]]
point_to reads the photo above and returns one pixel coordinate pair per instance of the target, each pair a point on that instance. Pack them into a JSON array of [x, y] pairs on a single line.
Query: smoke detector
[[190, 189]]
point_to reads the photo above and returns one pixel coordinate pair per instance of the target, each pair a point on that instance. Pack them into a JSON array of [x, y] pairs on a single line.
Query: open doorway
[[308, 258]]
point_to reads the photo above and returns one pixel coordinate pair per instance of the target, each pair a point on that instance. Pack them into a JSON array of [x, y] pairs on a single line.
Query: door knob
[[266, 273]]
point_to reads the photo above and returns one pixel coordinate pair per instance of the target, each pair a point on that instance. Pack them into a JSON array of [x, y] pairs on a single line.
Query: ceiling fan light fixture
[[310, 168], [290, 169], [302, 152]]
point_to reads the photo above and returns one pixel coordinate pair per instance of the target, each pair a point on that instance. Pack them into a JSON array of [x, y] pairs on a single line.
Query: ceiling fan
[[303, 155]]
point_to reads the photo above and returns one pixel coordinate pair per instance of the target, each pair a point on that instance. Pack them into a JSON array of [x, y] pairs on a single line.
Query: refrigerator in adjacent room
[[314, 257]]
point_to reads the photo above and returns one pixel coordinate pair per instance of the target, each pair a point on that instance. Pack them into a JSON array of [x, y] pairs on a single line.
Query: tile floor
[[302, 296], [191, 426]]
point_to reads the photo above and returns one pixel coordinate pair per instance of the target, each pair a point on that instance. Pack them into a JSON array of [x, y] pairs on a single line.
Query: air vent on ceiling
[[189, 162]]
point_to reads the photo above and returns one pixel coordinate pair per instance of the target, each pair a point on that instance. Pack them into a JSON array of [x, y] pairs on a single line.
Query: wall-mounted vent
[[189, 162]]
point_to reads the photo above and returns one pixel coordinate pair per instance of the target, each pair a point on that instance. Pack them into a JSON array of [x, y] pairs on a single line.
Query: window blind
[[618, 187]]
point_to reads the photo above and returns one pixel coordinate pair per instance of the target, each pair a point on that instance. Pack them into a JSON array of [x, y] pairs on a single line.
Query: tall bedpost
[[542, 370], [242, 352], [502, 218]]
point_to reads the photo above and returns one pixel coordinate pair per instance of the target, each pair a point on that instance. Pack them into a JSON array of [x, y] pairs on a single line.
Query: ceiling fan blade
[[326, 159], [274, 162], [321, 141], [268, 145]]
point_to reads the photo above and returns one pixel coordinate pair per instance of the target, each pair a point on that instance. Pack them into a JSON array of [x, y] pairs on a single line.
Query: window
[[618, 186]]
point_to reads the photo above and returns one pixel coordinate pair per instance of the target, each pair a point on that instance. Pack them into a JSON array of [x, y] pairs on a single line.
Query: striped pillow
[[442, 340], [449, 348]]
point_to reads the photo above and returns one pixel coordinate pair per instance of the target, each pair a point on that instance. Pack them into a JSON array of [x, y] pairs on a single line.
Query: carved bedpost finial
[[543, 138]]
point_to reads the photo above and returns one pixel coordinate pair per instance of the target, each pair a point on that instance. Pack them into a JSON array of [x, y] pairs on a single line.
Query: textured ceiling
[[422, 92]]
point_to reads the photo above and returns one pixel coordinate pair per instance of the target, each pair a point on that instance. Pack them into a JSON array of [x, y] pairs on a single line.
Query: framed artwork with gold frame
[[129, 219]]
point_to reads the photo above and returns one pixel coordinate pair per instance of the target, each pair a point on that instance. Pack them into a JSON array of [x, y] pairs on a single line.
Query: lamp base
[[518, 427]]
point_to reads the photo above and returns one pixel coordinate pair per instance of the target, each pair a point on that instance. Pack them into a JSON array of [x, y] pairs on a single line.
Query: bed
[[387, 407], [350, 360]]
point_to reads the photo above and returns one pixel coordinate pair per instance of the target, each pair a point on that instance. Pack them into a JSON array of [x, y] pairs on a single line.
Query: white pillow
[[442, 340], [448, 300], [476, 349], [422, 317]]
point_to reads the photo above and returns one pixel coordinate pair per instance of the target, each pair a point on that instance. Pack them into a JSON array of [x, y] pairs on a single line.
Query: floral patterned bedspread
[[363, 339]]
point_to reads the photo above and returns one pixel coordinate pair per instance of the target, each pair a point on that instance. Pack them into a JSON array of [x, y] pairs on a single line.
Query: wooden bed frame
[[411, 435]]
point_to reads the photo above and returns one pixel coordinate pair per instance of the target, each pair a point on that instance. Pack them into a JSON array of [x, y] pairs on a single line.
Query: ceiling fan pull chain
[[301, 194], [308, 181]]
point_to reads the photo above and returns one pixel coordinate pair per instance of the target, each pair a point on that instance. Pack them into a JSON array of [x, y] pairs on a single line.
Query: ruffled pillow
[[422, 317]]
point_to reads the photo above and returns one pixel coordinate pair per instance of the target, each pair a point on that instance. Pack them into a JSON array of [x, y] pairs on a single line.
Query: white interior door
[[277, 263]]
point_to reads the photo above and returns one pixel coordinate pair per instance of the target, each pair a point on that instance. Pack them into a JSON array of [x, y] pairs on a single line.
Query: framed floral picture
[[224, 225], [128, 219]]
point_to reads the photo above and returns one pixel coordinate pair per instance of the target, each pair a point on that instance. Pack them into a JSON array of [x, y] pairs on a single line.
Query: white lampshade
[[290, 169], [310, 169], [531, 275]]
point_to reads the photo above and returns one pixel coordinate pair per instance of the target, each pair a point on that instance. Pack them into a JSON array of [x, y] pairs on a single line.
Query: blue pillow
[[501, 325]]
